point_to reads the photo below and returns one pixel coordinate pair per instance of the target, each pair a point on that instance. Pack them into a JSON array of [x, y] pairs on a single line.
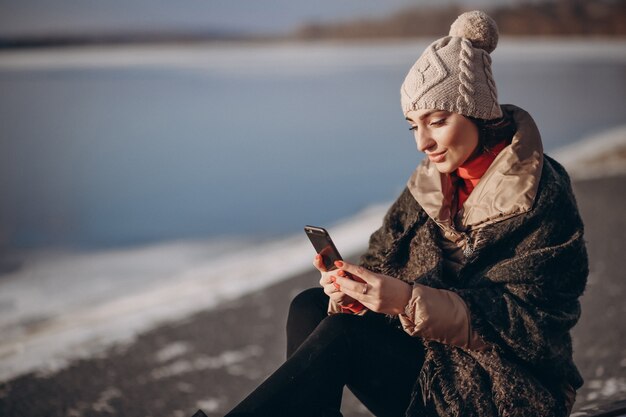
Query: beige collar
[[507, 188]]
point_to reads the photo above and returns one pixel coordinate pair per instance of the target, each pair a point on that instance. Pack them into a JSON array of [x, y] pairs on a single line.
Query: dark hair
[[492, 132]]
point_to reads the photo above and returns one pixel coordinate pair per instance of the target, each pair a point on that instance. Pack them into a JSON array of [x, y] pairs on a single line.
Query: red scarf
[[472, 171]]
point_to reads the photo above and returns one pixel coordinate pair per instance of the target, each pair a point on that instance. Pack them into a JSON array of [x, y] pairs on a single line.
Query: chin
[[445, 168]]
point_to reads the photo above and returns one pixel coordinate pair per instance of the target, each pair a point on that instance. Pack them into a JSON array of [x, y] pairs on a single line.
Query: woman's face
[[448, 139]]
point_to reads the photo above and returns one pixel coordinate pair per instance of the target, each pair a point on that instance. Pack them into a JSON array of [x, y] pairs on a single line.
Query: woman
[[463, 302]]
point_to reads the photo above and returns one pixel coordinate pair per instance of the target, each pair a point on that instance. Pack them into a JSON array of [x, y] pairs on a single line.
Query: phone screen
[[324, 246]]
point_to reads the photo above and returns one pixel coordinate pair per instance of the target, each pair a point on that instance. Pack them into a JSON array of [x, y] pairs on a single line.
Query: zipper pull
[[469, 249]]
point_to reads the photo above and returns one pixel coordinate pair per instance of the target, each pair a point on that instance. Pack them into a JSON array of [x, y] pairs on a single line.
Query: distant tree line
[[124, 38], [544, 18], [525, 18]]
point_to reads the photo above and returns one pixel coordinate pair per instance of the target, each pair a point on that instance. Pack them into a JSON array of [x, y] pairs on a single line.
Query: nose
[[423, 140]]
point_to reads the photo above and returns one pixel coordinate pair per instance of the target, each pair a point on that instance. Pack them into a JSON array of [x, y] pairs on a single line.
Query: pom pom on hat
[[478, 27]]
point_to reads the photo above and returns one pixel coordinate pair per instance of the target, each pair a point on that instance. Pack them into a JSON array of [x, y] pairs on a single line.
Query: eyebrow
[[425, 115]]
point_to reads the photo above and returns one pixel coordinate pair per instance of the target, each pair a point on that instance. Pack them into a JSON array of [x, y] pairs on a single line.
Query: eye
[[438, 122], [413, 127]]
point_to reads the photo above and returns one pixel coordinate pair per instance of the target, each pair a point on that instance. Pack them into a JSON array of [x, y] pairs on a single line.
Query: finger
[[317, 263], [330, 290], [345, 274], [357, 295], [331, 284], [325, 279], [338, 297], [346, 285], [367, 300], [356, 271], [334, 284]]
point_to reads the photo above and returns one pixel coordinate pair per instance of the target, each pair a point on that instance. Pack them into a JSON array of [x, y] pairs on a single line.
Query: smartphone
[[324, 246]]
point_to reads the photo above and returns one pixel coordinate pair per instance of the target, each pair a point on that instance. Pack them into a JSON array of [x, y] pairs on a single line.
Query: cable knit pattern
[[425, 74], [454, 72], [466, 76], [490, 82]]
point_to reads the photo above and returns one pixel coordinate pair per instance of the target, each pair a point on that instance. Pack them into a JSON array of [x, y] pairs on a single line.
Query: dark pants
[[377, 361]]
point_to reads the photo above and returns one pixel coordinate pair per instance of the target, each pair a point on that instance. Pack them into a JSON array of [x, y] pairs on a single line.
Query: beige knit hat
[[454, 72]]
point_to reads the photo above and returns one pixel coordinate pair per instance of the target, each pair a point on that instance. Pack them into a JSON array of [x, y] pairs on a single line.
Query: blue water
[[257, 141]]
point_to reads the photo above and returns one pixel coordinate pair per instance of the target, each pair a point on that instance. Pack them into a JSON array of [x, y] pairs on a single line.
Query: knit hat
[[454, 72]]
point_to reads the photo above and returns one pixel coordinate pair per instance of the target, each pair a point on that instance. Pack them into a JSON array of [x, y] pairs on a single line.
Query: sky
[[42, 17]]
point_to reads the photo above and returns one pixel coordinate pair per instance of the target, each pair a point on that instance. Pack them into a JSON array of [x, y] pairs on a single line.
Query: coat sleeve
[[440, 315]]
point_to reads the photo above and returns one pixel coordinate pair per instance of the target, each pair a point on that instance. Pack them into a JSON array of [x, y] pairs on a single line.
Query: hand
[[330, 288], [378, 292]]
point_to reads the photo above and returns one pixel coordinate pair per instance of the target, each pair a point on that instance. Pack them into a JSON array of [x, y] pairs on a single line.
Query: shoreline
[[62, 42], [194, 55], [187, 285], [215, 357], [598, 156]]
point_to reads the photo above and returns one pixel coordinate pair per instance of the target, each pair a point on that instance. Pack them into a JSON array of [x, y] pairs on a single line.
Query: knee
[[341, 324], [342, 331], [306, 302], [305, 313]]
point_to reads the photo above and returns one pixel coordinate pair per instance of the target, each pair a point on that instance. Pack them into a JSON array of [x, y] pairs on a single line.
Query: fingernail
[[338, 264], [317, 257], [337, 286], [341, 273], [333, 279]]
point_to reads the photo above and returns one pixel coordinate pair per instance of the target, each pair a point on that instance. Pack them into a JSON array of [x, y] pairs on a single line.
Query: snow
[[598, 156], [63, 305], [60, 305]]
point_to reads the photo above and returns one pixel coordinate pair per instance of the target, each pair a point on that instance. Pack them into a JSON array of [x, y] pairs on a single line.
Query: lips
[[437, 157]]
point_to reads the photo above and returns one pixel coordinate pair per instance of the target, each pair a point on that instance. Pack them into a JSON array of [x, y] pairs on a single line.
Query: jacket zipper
[[468, 250], [469, 247]]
